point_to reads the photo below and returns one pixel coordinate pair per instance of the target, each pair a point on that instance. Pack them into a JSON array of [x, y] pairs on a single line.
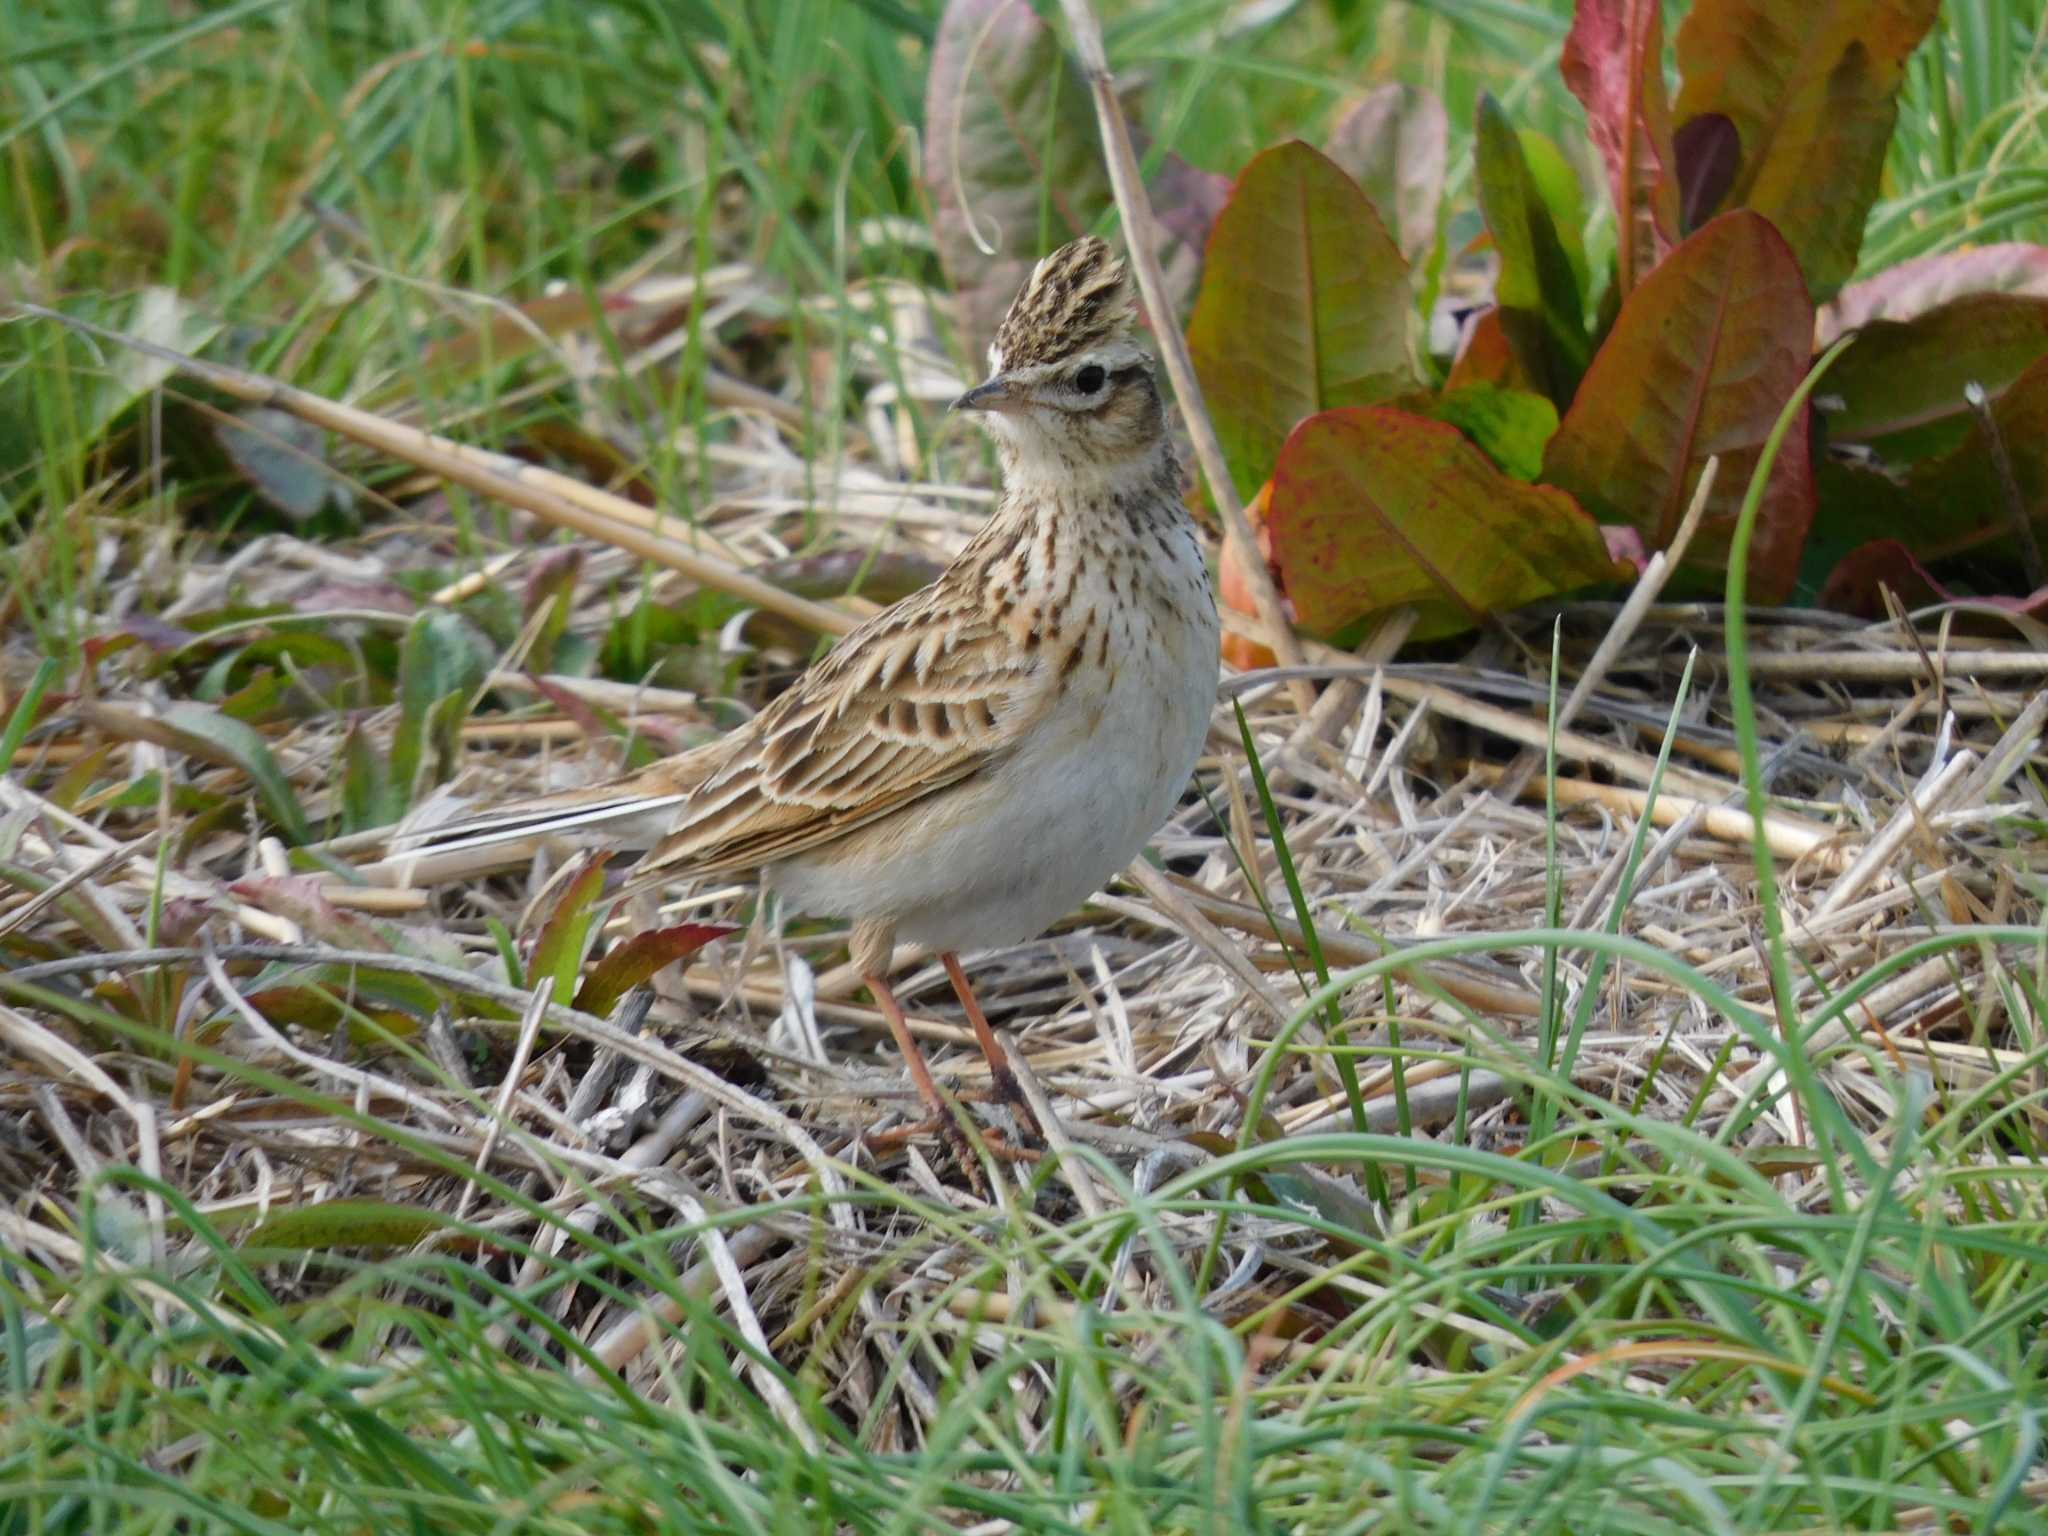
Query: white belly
[[1069, 808]]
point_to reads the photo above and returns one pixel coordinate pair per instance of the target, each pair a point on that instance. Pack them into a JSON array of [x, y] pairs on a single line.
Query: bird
[[971, 763]]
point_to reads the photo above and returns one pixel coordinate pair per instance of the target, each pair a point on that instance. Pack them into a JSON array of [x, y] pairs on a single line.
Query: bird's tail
[[629, 813]]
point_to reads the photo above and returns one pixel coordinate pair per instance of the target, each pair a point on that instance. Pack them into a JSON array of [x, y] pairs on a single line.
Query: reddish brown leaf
[[630, 964], [1859, 580], [1394, 144], [1373, 508], [1812, 91], [1912, 288], [1900, 384], [1304, 306], [1488, 358], [1613, 61], [1706, 151], [1701, 359]]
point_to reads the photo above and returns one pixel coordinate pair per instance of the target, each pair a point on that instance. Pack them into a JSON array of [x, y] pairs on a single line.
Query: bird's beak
[[995, 395]]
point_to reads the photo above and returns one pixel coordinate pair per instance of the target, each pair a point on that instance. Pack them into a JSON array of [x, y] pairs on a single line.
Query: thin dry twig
[[1135, 208]]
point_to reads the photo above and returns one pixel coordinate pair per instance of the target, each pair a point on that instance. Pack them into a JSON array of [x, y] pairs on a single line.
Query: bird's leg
[[921, 1075], [1008, 1089]]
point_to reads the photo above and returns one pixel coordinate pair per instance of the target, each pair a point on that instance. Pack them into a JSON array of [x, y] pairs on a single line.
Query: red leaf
[[1912, 288], [1304, 306], [1812, 90], [1613, 61], [1394, 144], [1373, 508], [630, 964], [1701, 359]]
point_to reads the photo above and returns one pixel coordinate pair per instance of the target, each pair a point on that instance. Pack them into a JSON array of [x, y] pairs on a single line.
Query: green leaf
[[1701, 358], [22, 718], [1510, 426], [564, 936], [347, 1224], [1899, 387], [630, 964], [1542, 311], [285, 459], [1304, 306], [1812, 91], [214, 737], [441, 663], [157, 315], [1375, 508], [550, 592]]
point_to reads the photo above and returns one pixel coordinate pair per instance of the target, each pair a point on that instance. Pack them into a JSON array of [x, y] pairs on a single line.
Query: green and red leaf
[[1701, 359], [1613, 61], [1960, 502], [566, 933], [1899, 386], [1812, 89], [1304, 307], [1373, 508], [630, 964]]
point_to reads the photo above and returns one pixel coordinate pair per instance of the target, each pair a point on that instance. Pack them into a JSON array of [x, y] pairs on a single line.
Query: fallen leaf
[[1859, 580]]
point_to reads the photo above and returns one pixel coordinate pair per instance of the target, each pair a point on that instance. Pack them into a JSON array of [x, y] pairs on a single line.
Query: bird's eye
[[1089, 379]]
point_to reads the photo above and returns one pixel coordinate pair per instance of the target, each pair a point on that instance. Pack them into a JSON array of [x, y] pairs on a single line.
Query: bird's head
[[1069, 390]]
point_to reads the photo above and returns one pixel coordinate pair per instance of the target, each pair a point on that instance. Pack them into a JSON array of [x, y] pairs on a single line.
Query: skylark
[[970, 764]]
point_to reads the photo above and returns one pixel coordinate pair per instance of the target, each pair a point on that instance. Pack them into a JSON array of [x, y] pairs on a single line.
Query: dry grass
[[313, 1035]]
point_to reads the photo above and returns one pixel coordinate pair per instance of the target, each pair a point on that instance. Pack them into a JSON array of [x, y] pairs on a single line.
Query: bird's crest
[[1076, 299]]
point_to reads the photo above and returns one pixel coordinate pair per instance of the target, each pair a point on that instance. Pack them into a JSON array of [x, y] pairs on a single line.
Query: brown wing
[[920, 697]]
